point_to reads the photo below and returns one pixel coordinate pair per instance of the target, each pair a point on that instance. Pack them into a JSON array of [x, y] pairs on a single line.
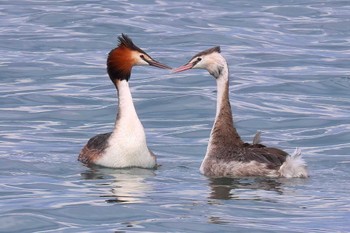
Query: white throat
[[126, 108], [222, 88], [128, 123]]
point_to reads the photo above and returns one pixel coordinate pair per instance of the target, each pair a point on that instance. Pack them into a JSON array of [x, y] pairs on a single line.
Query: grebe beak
[[183, 68], [155, 63]]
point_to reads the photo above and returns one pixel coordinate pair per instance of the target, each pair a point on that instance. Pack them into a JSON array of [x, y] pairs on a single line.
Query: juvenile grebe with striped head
[[227, 155], [126, 146]]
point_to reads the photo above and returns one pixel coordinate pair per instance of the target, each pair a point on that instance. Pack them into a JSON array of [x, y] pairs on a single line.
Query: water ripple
[[290, 79]]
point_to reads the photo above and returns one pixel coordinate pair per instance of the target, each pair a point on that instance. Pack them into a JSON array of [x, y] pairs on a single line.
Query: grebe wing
[[94, 148]]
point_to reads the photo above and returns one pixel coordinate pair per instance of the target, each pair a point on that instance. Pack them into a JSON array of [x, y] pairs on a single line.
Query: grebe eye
[[199, 59], [142, 56]]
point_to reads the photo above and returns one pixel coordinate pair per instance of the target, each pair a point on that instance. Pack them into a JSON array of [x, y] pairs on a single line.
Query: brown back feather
[[94, 148]]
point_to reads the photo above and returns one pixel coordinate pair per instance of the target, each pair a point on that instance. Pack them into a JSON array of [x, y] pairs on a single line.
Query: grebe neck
[[126, 108], [223, 124]]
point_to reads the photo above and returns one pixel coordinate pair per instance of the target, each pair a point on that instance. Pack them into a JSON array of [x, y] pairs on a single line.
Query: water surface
[[290, 79]]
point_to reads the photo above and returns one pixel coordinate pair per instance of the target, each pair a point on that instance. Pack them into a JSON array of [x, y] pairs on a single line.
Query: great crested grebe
[[227, 155], [126, 146]]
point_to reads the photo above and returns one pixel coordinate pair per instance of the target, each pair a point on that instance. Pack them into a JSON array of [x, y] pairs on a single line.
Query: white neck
[[222, 89], [126, 109]]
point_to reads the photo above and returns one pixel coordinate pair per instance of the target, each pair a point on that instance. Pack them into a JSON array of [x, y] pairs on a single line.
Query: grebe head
[[122, 58], [210, 60]]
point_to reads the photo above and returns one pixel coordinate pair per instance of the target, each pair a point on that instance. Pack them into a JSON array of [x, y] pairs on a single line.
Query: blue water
[[290, 78]]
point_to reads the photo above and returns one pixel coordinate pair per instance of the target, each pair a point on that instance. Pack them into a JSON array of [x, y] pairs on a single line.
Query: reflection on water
[[216, 220], [127, 185], [224, 188]]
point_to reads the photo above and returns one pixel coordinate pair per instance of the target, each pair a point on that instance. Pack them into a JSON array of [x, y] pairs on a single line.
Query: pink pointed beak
[[182, 68]]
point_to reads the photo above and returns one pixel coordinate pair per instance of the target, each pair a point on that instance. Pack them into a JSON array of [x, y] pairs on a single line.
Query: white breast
[[127, 147]]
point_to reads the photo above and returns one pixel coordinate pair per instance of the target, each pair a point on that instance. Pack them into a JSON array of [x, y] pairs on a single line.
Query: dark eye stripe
[[197, 60], [143, 58]]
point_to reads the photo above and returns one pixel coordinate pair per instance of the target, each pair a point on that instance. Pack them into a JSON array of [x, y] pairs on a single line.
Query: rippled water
[[290, 78]]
